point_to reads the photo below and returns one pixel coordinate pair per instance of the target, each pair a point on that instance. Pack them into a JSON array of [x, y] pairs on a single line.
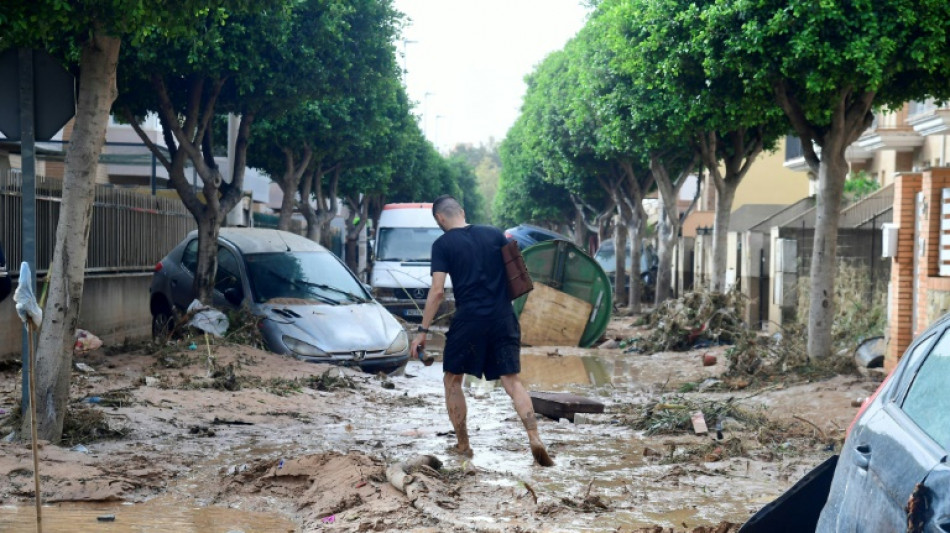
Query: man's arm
[[433, 301]]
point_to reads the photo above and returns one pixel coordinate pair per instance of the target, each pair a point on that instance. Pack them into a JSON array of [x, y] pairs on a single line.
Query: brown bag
[[519, 281]]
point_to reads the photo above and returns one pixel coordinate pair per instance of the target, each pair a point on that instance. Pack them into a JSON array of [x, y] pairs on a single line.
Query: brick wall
[[929, 306], [902, 269]]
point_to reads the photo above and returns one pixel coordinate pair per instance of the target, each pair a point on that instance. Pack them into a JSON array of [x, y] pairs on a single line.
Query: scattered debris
[[609, 344], [89, 424], [86, 342], [699, 423], [557, 405], [328, 382], [870, 353], [696, 319], [84, 368]]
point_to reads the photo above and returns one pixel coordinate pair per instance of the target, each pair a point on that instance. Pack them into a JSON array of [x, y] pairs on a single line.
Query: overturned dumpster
[[571, 301]]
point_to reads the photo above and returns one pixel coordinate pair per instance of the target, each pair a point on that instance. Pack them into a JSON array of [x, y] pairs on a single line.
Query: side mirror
[[234, 296], [368, 288]]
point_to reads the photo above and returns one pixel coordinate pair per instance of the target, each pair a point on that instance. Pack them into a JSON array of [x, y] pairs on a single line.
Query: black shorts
[[483, 347]]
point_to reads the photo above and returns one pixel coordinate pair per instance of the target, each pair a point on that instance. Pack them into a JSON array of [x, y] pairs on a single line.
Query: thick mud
[[303, 447]]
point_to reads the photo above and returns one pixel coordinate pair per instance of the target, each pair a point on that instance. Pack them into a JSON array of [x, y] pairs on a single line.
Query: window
[[316, 276], [228, 275], [406, 244], [928, 400], [189, 258], [944, 251]]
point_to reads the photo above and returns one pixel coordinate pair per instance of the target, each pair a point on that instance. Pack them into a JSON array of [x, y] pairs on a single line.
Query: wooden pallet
[[553, 318]]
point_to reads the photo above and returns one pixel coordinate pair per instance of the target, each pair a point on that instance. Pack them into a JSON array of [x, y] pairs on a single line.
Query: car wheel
[[163, 322]]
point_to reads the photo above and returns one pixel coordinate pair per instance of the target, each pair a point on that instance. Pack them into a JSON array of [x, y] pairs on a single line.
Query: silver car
[[310, 304]]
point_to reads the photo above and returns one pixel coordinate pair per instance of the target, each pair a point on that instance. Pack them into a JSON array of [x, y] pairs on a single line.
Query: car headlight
[[399, 345], [382, 293], [302, 348]]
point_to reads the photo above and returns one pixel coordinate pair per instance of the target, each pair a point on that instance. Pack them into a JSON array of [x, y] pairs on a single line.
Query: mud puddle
[[163, 514]]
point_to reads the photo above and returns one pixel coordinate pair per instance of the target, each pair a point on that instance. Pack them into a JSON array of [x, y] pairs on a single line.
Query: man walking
[[484, 338]]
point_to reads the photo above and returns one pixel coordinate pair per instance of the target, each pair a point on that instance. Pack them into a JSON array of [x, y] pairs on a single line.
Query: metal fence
[[130, 231]]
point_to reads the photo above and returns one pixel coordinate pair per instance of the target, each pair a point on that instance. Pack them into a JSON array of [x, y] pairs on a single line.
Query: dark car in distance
[[894, 458], [527, 235], [308, 303]]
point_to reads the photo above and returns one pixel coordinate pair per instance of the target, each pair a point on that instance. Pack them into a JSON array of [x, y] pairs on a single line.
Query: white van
[[402, 259]]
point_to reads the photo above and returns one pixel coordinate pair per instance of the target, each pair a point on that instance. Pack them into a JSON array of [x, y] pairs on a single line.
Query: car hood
[[335, 328]]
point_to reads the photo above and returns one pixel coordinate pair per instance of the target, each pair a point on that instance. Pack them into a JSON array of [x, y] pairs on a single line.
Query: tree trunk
[[832, 173], [55, 348], [620, 270], [293, 173], [725, 195], [666, 244], [353, 229], [580, 229], [208, 228], [289, 187], [634, 226]]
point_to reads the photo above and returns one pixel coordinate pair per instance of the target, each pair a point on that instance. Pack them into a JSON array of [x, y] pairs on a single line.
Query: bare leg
[[458, 412], [519, 396]]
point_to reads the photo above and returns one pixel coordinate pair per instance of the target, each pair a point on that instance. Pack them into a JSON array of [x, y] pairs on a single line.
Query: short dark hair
[[446, 205]]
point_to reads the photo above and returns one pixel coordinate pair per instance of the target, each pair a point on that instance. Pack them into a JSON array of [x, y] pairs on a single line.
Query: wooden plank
[[553, 318], [558, 405]]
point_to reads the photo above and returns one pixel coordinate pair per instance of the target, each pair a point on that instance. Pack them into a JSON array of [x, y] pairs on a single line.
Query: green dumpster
[[563, 266]]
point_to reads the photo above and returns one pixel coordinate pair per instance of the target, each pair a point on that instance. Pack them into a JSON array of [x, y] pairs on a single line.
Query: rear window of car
[[928, 400]]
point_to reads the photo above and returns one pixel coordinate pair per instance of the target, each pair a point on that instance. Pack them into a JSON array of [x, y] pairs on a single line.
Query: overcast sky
[[471, 56]]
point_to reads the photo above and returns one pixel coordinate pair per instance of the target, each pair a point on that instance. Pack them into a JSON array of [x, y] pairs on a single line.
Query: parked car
[[401, 275], [526, 235], [895, 453], [606, 257], [310, 304]]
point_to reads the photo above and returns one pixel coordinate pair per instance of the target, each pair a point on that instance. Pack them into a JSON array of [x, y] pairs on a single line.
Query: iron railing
[[130, 231]]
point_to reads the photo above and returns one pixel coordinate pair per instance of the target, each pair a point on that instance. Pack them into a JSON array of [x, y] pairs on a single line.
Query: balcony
[[928, 117], [891, 131]]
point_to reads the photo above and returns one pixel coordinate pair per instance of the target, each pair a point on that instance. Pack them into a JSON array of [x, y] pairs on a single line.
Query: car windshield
[[309, 276], [406, 244]]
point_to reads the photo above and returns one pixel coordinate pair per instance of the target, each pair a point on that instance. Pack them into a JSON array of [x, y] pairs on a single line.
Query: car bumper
[[376, 364]]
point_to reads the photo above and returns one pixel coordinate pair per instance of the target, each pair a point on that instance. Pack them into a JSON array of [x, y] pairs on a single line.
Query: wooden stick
[[33, 431]]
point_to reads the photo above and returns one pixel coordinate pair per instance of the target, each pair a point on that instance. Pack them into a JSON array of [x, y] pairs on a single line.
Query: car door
[[182, 280], [898, 447], [927, 404], [227, 277]]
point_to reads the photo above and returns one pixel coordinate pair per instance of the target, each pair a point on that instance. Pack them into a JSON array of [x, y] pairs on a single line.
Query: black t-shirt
[[472, 257]]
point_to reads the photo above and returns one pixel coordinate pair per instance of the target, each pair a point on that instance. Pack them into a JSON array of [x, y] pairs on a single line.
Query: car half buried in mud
[[310, 304]]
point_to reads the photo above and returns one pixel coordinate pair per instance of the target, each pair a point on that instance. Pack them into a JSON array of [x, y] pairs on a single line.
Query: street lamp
[[425, 112], [404, 43]]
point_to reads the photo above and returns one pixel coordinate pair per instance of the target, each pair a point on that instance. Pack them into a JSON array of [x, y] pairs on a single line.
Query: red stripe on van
[[387, 207]]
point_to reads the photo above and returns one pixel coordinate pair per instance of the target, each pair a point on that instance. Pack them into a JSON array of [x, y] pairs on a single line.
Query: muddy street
[[266, 443]]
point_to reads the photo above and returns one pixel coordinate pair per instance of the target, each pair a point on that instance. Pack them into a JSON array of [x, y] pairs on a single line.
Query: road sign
[[54, 95]]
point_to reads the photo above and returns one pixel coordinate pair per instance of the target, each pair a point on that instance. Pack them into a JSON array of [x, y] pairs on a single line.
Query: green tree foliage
[[86, 36], [259, 61], [486, 162], [828, 65]]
